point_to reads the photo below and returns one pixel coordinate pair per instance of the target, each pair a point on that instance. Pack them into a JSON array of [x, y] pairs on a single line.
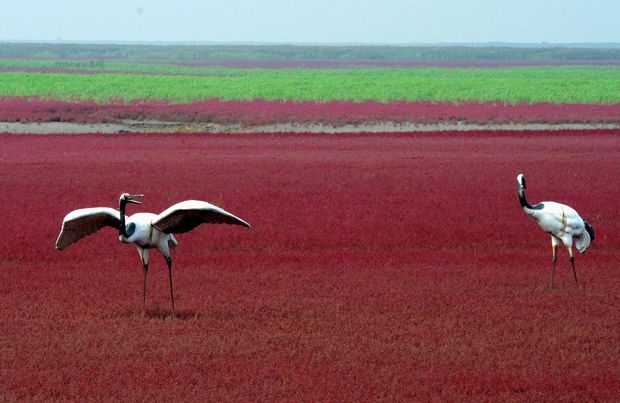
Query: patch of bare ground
[[150, 126]]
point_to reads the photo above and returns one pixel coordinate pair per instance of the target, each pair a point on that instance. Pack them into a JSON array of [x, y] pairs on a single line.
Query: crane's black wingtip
[[239, 221]]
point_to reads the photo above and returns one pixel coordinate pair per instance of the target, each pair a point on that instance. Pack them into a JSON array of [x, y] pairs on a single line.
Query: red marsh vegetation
[[262, 112], [396, 267]]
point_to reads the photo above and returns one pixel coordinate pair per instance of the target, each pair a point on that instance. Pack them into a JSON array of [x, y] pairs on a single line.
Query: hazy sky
[[312, 21]]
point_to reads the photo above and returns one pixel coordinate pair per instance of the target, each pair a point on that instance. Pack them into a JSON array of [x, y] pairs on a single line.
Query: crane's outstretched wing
[[187, 215], [80, 223]]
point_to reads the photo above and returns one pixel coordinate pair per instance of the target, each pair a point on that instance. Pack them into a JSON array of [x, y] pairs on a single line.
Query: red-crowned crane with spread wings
[[145, 230]]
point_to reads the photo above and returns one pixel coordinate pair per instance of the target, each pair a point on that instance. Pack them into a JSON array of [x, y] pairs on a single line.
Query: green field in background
[[556, 84]]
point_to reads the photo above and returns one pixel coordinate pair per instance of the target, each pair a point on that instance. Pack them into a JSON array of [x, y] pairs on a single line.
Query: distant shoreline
[[535, 45]]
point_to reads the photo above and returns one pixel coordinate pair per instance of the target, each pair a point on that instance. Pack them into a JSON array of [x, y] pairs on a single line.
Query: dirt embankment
[[193, 127]]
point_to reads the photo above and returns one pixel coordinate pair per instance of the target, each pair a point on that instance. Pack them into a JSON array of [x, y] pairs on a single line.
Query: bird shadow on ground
[[163, 314], [167, 314], [187, 314]]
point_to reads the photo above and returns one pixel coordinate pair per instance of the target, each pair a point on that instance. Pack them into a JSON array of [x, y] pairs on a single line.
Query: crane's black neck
[[121, 207], [525, 204], [522, 199]]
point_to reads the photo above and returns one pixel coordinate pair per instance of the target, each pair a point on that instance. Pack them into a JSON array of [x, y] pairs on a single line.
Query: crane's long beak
[[130, 199]]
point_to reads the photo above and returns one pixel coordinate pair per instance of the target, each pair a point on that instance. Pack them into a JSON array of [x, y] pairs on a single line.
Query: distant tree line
[[189, 53]]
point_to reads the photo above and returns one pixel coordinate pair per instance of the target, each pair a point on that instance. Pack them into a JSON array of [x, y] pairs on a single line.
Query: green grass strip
[[556, 84]]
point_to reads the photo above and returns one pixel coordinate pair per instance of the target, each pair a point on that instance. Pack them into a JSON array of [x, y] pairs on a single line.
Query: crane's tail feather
[[590, 230], [582, 242]]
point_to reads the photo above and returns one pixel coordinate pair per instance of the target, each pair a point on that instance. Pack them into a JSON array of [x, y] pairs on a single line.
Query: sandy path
[[172, 127]]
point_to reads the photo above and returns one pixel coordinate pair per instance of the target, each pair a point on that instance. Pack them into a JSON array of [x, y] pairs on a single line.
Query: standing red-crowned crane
[[144, 230], [561, 222]]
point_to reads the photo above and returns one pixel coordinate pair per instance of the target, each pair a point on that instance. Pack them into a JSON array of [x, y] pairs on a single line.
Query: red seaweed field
[[262, 112], [394, 267]]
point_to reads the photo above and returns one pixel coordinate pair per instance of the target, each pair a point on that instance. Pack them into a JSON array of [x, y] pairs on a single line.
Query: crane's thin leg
[[144, 255], [169, 261], [554, 249], [555, 260], [572, 262], [146, 269]]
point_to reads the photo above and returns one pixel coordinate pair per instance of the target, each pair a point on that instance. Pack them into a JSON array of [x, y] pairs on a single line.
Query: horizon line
[[542, 44]]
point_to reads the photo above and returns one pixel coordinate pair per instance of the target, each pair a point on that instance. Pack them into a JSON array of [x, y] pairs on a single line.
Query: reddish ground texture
[[261, 112], [390, 267]]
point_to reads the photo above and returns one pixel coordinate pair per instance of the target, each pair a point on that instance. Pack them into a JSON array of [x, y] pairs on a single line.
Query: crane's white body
[[563, 223], [145, 236], [144, 230]]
